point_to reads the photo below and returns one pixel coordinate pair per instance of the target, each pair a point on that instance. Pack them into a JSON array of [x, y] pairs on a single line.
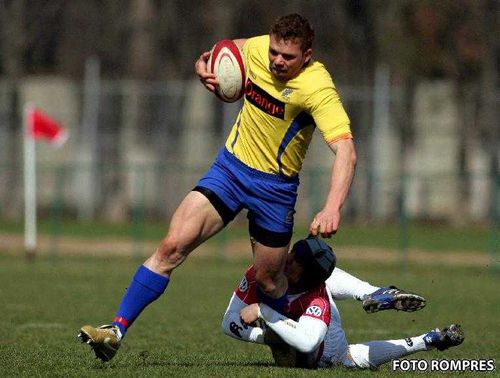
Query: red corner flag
[[36, 125], [41, 125]]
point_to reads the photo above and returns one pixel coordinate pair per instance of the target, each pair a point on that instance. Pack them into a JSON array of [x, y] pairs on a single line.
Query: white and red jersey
[[314, 303]]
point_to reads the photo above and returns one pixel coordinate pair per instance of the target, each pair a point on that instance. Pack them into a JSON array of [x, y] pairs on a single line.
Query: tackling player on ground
[[287, 96], [309, 334]]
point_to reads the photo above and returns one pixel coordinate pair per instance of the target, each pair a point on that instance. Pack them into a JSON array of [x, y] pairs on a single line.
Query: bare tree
[[13, 36]]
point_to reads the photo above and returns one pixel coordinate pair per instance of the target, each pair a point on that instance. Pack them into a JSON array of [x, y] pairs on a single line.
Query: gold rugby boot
[[104, 340]]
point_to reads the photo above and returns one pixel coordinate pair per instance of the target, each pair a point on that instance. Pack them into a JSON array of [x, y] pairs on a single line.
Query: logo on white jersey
[[314, 310], [243, 284]]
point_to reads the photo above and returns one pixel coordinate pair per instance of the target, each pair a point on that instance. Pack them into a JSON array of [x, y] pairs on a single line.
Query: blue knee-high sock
[[145, 287], [278, 304]]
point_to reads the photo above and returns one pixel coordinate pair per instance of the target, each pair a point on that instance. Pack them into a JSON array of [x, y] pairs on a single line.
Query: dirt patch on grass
[[236, 249]]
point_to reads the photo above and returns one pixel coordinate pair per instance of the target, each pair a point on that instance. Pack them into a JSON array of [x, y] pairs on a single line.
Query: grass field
[[44, 302]]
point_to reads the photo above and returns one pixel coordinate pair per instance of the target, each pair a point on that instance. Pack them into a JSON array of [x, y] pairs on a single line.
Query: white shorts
[[335, 351]]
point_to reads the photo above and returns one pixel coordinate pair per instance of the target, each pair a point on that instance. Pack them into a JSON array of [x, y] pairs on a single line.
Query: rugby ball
[[227, 63]]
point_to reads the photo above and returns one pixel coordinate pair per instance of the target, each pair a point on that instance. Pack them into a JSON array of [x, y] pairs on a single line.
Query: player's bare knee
[[171, 253], [265, 280]]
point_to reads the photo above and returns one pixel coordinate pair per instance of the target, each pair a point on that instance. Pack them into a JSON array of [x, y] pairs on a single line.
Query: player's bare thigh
[[194, 221], [269, 265]]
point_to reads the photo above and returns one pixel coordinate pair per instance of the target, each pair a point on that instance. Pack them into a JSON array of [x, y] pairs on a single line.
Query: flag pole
[[29, 151]]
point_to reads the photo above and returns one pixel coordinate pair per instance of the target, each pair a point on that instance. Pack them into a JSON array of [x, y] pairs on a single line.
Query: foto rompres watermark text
[[477, 365]]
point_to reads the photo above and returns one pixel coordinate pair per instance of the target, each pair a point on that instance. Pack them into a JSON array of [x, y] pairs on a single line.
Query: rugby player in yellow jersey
[[287, 96]]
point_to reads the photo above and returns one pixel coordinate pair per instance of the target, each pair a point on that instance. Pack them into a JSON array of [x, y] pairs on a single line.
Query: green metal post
[[495, 222], [138, 210], [403, 223], [56, 213]]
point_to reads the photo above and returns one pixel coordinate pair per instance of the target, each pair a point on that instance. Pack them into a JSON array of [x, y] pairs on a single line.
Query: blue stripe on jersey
[[236, 134], [300, 122]]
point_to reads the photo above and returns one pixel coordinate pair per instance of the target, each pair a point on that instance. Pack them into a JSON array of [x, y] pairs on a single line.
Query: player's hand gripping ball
[[227, 63]]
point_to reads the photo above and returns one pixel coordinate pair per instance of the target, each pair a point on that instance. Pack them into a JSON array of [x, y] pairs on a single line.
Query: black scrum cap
[[318, 260]]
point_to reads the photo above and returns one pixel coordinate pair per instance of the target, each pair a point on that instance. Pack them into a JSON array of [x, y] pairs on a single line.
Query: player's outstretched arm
[[327, 221], [305, 335]]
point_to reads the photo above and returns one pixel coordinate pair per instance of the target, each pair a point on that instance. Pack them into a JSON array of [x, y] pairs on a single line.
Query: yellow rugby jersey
[[275, 125]]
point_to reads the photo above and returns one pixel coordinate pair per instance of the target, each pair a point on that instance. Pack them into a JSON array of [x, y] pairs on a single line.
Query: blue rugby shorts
[[230, 185]]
